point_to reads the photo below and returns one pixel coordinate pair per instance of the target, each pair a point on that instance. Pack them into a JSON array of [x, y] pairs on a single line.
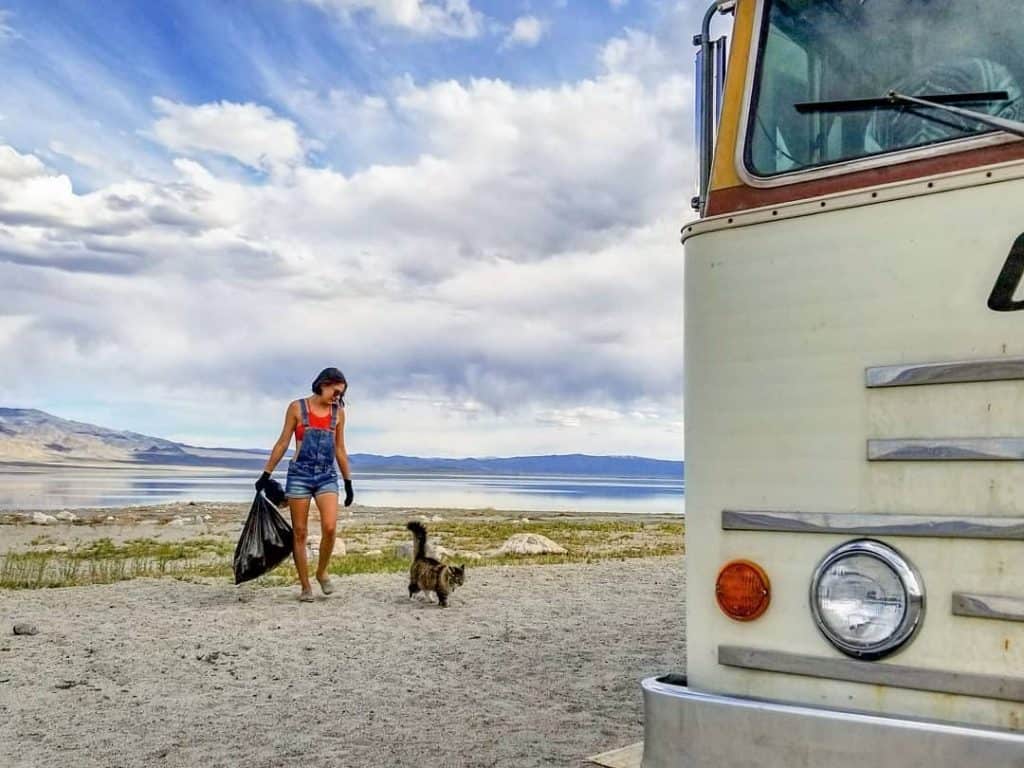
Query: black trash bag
[[266, 540], [275, 492]]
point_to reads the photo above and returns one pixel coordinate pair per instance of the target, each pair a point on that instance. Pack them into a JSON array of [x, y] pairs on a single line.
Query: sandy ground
[[531, 666]]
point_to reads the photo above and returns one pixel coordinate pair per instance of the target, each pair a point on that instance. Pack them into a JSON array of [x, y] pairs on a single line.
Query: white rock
[[404, 549], [207, 518], [373, 553], [437, 519], [463, 555], [66, 516], [530, 544], [111, 519], [40, 518], [433, 550], [313, 548], [177, 522], [62, 548]]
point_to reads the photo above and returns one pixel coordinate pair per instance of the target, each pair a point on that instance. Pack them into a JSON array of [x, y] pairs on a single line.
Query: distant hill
[[554, 464], [36, 437]]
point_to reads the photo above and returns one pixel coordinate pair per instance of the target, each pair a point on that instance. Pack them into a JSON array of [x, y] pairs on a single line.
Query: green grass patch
[[104, 561]]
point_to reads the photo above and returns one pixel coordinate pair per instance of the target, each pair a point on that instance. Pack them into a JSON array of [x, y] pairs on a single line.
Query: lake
[[24, 487]]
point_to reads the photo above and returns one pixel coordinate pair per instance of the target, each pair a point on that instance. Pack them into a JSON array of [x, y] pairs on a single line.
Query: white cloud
[[250, 133], [450, 18], [7, 32], [518, 274], [640, 55], [14, 165], [80, 156], [526, 32], [617, 3]]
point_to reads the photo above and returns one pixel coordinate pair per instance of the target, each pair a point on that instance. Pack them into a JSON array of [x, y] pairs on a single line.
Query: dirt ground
[[531, 666]]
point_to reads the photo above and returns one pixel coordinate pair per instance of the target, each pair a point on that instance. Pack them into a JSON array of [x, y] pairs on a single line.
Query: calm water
[[79, 487]]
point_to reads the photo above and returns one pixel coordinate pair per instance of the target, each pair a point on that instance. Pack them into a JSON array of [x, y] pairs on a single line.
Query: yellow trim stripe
[[723, 172]]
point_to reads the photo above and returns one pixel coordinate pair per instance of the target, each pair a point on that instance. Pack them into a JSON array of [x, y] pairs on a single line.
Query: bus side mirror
[[698, 122]]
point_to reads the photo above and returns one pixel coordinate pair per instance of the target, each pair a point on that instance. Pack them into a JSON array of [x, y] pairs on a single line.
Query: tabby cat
[[430, 575]]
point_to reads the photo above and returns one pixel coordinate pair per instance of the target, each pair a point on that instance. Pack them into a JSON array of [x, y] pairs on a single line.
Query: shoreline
[[160, 510], [196, 541]]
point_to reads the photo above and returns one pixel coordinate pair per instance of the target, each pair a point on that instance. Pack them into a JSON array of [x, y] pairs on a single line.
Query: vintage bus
[[854, 392]]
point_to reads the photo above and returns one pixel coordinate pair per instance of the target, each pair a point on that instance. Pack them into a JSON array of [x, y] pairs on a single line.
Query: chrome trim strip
[[956, 372], [950, 147], [683, 726], [1003, 607], [874, 673], [864, 524], [947, 449]]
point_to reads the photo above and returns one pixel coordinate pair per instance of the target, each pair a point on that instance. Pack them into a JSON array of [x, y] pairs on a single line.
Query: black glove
[[349, 494], [262, 482]]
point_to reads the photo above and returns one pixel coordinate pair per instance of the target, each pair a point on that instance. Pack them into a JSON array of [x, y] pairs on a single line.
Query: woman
[[318, 424]]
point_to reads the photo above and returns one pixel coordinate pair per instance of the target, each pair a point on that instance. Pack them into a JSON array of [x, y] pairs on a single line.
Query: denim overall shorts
[[313, 472]]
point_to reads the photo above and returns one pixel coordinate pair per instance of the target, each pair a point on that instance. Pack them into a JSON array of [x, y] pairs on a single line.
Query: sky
[[472, 208]]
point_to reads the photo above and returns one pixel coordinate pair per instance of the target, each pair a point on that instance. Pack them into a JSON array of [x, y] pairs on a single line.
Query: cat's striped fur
[[428, 574]]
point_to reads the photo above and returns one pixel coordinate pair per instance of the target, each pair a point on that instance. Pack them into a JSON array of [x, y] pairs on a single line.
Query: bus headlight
[[867, 599]]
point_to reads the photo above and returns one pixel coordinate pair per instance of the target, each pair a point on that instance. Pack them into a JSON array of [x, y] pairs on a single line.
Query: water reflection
[[51, 488]]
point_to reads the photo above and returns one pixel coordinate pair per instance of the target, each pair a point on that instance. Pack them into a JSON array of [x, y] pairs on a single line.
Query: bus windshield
[[818, 56]]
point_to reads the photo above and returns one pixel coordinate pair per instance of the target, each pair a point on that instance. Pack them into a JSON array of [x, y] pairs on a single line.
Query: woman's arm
[[291, 420], [339, 446], [342, 456]]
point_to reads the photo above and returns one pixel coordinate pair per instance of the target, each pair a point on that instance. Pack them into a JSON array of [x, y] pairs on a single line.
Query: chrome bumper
[[688, 729]]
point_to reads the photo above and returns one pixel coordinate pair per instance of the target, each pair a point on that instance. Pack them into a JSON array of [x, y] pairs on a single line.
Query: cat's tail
[[420, 534]]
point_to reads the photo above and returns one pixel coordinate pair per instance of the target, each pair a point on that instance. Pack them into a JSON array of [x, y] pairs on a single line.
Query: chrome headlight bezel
[[909, 578]]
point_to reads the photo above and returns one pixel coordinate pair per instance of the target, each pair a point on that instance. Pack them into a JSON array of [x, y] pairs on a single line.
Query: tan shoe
[[326, 585], [306, 596]]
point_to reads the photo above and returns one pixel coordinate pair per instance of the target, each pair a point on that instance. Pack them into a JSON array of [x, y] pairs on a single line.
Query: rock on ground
[[436, 551], [530, 544]]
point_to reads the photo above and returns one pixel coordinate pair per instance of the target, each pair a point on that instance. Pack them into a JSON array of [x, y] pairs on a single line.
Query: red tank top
[[315, 422]]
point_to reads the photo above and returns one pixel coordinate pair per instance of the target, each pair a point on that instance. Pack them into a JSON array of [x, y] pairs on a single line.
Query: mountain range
[[29, 436]]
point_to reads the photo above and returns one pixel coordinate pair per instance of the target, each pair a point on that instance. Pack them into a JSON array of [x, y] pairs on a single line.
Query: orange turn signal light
[[742, 590]]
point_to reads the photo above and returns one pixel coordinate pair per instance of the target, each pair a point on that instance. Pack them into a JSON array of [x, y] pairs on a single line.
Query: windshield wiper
[[859, 105], [943, 101]]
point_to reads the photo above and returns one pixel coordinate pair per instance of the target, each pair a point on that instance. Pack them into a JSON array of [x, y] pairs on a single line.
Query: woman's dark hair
[[330, 376]]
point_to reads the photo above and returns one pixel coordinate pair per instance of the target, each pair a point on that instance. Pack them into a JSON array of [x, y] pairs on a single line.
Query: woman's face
[[333, 391]]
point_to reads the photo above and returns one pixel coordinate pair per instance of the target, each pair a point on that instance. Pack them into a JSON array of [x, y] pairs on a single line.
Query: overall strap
[[305, 412], [334, 416]]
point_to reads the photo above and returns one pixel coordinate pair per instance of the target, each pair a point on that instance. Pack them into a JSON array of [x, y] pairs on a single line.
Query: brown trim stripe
[[741, 198]]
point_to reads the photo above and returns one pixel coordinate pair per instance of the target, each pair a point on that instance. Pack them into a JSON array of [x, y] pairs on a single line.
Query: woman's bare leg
[[327, 504], [300, 529]]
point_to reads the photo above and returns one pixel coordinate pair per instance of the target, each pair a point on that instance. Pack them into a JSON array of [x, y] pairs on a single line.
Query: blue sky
[[471, 207]]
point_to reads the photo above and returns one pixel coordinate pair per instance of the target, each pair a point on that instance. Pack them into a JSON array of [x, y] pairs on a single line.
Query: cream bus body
[[854, 370]]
